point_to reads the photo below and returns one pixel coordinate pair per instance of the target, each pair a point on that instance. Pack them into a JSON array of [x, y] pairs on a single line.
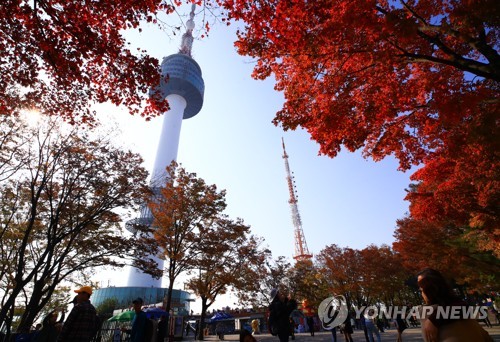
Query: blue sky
[[348, 201]]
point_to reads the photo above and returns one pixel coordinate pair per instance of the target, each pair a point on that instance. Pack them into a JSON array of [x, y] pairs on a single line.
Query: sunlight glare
[[31, 116]]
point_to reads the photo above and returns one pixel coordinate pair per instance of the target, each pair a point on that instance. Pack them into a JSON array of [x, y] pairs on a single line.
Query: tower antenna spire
[[187, 37], [301, 250]]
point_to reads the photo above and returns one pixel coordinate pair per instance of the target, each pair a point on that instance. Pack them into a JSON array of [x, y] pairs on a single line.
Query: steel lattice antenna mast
[[301, 250]]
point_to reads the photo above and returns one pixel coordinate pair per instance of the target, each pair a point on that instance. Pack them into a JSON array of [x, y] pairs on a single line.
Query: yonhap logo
[[332, 311]]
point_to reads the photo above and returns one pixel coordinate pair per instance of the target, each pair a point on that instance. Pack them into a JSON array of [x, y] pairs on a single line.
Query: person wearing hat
[[138, 331], [279, 314], [82, 322]]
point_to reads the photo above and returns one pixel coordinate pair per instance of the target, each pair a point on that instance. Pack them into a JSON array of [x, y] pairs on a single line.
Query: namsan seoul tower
[[301, 250], [183, 87]]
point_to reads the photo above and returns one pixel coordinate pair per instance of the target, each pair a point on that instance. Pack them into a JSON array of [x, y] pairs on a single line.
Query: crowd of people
[[436, 292], [143, 328], [82, 323]]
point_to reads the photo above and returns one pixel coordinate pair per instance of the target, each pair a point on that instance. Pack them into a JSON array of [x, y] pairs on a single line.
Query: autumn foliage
[[196, 239], [371, 275], [183, 206], [417, 80], [387, 77], [60, 193], [60, 57], [442, 246]]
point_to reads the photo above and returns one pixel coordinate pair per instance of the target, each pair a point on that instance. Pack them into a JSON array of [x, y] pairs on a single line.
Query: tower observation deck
[[301, 250], [182, 85]]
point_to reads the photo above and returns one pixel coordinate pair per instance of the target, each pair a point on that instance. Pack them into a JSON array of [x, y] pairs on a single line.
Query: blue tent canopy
[[219, 316], [155, 313]]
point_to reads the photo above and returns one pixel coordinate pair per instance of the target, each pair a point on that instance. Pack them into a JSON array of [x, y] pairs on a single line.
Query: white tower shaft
[[181, 83], [170, 135], [165, 154]]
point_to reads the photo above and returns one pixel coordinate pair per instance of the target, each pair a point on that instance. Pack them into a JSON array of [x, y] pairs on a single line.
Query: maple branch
[[48, 54], [464, 64], [342, 65], [457, 61], [490, 71], [438, 42], [412, 11], [478, 43], [364, 68]]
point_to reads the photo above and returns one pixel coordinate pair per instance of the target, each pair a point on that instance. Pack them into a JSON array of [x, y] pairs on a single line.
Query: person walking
[[255, 327], [162, 329], [309, 312], [363, 324], [401, 325], [486, 319], [310, 324], [117, 334], [219, 330], [82, 322], [188, 327], [196, 329], [371, 328], [334, 334], [292, 328], [279, 314], [347, 330], [138, 330]]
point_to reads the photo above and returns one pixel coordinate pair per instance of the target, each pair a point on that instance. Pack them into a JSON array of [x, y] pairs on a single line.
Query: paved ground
[[410, 335]]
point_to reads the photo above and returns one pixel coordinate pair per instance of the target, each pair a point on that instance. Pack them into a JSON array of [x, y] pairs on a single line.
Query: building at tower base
[[151, 295]]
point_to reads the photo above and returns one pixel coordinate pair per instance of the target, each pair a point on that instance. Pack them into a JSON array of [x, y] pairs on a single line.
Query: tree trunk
[[202, 318], [7, 310], [38, 300], [168, 305]]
